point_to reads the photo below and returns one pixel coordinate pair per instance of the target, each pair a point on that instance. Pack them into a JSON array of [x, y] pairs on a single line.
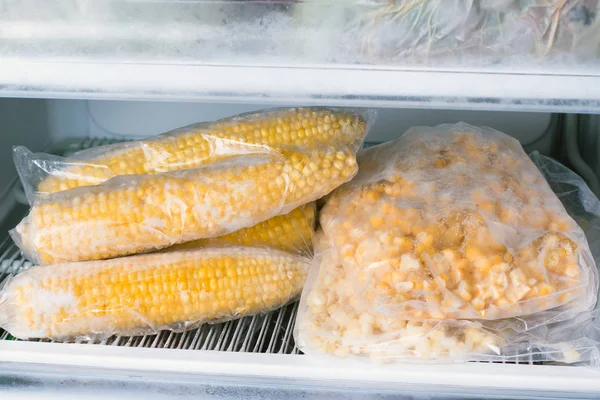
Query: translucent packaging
[[332, 320], [467, 32], [237, 186], [143, 294], [293, 232], [456, 222]]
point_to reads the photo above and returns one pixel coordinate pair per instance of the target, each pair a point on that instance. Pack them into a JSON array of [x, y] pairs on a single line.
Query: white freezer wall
[[23, 122], [99, 118]]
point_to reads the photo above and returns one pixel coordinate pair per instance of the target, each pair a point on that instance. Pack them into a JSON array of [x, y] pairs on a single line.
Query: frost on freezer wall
[[394, 32]]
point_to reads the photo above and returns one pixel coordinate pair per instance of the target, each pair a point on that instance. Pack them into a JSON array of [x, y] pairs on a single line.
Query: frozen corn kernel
[[140, 213], [296, 129], [328, 321], [290, 232], [466, 219], [145, 293]]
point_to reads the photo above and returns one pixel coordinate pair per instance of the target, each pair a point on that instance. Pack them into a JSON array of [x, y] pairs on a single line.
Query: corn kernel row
[[298, 129], [456, 223], [142, 294], [291, 232]]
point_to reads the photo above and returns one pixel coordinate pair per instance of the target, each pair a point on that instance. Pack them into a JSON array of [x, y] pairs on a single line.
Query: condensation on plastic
[[478, 32], [456, 222], [292, 232], [129, 214], [144, 294], [329, 322], [294, 130], [440, 33]]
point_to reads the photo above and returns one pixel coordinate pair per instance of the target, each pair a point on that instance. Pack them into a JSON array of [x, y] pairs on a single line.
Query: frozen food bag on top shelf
[[456, 222], [292, 232], [143, 294], [130, 214], [467, 32], [295, 130]]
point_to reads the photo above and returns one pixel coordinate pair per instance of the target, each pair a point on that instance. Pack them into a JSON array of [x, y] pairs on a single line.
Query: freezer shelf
[[525, 55], [339, 85]]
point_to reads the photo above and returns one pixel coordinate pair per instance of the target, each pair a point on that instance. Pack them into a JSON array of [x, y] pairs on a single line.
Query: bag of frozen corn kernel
[[456, 222], [295, 130], [143, 294], [130, 214], [331, 321]]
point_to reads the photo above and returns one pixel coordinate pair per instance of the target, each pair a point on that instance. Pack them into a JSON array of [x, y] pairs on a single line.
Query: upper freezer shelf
[[500, 54]]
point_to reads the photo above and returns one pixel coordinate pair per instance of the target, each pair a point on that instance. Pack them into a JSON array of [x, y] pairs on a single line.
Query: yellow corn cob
[[139, 213], [145, 293], [296, 129], [290, 232]]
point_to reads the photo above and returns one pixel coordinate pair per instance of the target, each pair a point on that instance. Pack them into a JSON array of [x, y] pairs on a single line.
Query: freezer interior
[[256, 356]]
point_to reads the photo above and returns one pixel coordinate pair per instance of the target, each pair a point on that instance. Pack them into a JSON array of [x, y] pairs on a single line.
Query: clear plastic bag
[[330, 322], [142, 294], [293, 130], [456, 222], [129, 214], [481, 32], [292, 232]]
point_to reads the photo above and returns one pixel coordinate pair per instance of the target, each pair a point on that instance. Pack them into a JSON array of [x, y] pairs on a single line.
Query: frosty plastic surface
[[129, 214], [331, 320], [457, 222], [296, 130], [145, 293], [477, 32], [397, 32], [291, 232]]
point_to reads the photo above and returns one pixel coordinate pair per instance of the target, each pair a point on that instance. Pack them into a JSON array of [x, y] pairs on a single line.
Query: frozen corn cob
[[298, 129], [145, 293], [140, 213], [290, 232], [457, 222]]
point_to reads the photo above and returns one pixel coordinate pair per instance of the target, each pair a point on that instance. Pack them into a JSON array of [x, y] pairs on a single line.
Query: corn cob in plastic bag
[[142, 294], [291, 232], [457, 222], [297, 130], [130, 214]]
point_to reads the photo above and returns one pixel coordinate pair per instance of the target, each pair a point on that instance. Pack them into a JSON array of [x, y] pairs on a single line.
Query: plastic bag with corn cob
[[142, 294], [294, 130], [456, 222], [178, 288], [221, 178]]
